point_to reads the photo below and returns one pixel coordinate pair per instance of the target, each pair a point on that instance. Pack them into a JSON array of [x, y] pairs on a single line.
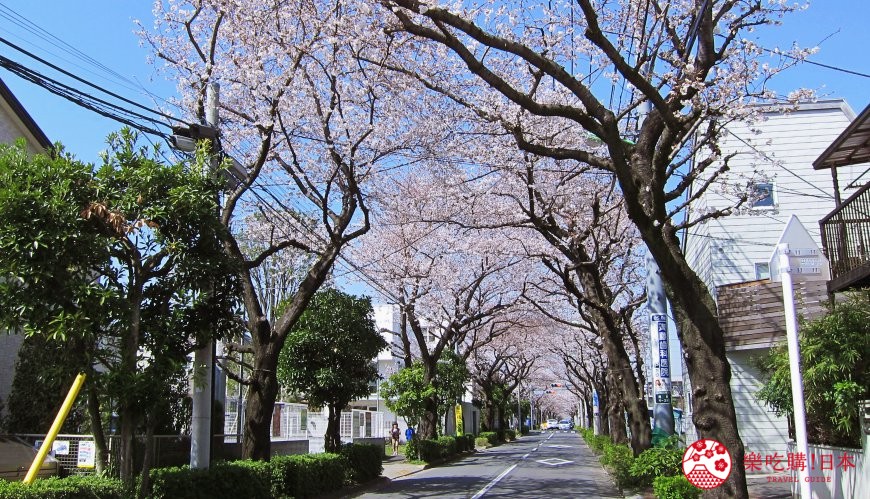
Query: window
[[762, 271], [761, 195]]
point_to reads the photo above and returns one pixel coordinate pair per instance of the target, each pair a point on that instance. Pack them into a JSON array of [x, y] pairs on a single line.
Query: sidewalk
[[396, 467]]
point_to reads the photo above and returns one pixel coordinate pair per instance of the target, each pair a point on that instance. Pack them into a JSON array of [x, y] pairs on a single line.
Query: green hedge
[[675, 487], [236, 479], [620, 458], [364, 461], [490, 436], [303, 475], [655, 462], [510, 435], [306, 475], [481, 442], [73, 487], [448, 446], [429, 450], [412, 449]]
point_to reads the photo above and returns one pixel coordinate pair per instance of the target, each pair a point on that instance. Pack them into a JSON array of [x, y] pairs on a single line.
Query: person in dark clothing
[[394, 437]]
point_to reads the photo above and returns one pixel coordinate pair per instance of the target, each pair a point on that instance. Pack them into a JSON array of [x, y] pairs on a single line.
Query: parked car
[[16, 456], [566, 425], [552, 424]]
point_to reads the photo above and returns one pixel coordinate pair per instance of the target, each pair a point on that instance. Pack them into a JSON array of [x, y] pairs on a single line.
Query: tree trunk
[[144, 476], [125, 456], [259, 405], [699, 329], [332, 437], [615, 411], [102, 457], [629, 395], [429, 422]]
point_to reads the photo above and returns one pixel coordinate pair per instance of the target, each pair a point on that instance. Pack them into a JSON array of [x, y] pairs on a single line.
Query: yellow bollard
[[55, 428]]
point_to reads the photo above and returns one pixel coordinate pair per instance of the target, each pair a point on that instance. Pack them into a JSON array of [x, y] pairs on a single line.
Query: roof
[[851, 147], [24, 116]]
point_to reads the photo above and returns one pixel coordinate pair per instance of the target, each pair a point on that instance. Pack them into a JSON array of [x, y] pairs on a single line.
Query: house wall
[[761, 430], [779, 150]]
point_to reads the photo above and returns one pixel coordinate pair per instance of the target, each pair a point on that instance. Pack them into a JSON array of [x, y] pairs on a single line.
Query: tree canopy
[[329, 356]]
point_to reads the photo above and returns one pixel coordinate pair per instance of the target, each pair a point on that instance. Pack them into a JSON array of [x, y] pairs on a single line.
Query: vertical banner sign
[[460, 426], [661, 362], [87, 452]]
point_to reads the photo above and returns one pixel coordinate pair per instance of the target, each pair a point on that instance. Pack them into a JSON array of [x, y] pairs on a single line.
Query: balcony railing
[[846, 242]]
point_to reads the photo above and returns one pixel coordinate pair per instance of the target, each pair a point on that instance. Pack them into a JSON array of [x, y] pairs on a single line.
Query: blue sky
[[103, 29]]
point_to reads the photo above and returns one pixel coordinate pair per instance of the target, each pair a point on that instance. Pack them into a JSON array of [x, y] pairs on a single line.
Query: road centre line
[[493, 482]]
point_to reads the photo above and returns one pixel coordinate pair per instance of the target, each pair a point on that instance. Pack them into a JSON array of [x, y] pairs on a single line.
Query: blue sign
[[664, 372], [595, 398]]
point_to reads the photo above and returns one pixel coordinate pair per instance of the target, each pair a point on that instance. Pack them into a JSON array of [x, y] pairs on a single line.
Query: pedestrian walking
[[394, 436]]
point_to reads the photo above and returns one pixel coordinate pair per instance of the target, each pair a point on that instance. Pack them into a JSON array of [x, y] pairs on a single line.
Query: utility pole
[[657, 308], [203, 358]]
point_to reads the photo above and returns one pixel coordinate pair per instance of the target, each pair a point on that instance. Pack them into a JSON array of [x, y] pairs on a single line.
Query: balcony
[[846, 242]]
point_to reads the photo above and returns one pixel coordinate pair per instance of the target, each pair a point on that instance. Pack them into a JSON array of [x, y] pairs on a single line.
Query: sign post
[[797, 253]]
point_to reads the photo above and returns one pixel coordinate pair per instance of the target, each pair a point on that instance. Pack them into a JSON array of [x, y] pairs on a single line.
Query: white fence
[[834, 472]]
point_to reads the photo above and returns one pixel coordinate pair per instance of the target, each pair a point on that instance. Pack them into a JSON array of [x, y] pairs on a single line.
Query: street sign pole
[[794, 365], [657, 306]]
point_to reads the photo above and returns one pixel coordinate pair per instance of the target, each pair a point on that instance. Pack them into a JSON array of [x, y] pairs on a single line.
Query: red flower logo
[[709, 453], [720, 449], [721, 465], [700, 445]]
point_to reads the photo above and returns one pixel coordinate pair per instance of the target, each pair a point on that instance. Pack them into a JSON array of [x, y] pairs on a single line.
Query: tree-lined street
[[539, 465]]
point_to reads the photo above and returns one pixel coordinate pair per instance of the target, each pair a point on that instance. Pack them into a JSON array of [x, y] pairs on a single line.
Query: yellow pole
[[55, 428]]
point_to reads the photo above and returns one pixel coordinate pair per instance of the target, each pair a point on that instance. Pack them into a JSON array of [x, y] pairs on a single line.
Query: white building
[[15, 123], [774, 161]]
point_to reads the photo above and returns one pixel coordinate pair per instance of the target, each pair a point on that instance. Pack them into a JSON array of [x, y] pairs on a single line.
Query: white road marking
[[527, 455], [492, 483], [554, 461]]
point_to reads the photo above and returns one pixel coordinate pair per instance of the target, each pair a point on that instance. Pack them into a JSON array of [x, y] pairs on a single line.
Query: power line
[[88, 83], [83, 99]]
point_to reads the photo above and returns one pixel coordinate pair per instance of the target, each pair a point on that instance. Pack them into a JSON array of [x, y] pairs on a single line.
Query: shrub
[[469, 441], [482, 442], [675, 487], [430, 450], [240, 478], [363, 461], [306, 475], [490, 436], [448, 446], [412, 450], [598, 442], [510, 435], [620, 459], [73, 487], [657, 461]]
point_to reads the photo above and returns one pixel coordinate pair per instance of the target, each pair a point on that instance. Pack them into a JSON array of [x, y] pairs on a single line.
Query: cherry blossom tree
[[309, 120], [454, 286], [640, 89]]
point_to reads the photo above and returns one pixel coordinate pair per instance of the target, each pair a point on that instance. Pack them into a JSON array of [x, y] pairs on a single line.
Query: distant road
[[546, 465]]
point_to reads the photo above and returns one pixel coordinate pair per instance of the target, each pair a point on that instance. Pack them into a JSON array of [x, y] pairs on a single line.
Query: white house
[[15, 123], [773, 162]]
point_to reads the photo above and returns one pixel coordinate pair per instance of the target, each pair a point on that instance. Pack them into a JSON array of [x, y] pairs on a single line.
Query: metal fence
[[76, 454]]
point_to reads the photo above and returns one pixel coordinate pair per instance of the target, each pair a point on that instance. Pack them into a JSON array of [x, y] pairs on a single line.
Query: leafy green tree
[[835, 359], [329, 355], [126, 258], [407, 393]]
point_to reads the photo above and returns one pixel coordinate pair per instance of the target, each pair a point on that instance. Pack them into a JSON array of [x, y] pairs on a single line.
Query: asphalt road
[[546, 465]]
